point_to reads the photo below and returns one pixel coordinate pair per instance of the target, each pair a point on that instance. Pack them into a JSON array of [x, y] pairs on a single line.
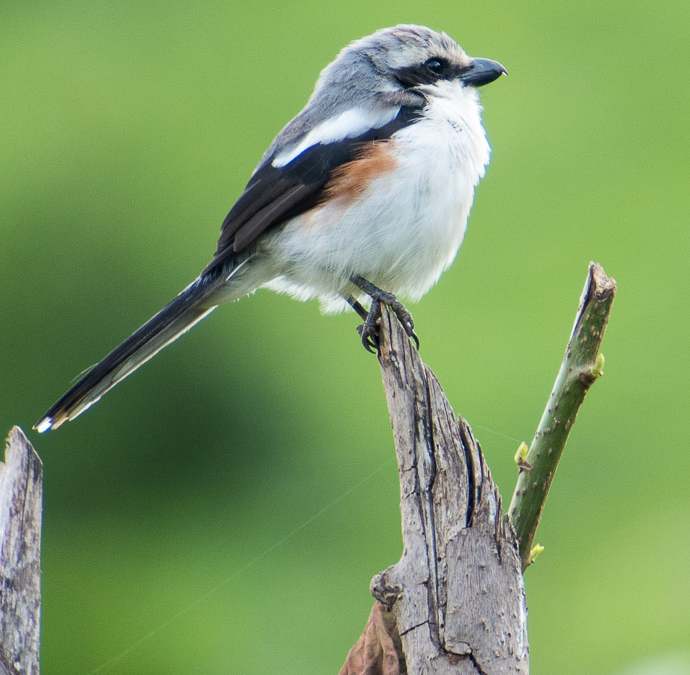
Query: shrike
[[364, 195]]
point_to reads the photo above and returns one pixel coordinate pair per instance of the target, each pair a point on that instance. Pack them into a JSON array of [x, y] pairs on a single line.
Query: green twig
[[581, 367]]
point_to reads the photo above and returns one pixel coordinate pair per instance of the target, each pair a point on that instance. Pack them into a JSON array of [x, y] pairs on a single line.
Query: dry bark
[[21, 495], [457, 594]]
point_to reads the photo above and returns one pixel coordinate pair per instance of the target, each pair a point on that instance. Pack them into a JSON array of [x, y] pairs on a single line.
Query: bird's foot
[[369, 330]]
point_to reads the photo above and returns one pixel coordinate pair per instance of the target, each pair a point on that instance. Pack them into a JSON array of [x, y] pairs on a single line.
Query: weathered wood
[[457, 593], [21, 496]]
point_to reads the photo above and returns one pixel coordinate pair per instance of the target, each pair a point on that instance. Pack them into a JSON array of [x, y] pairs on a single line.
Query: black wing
[[275, 194]]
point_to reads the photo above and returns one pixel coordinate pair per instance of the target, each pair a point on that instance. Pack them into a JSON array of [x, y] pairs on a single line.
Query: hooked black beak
[[481, 72]]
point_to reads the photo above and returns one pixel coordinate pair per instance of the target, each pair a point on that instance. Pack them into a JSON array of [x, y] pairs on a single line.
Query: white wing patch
[[348, 124]]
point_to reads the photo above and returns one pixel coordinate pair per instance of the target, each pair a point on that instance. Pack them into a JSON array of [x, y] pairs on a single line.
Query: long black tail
[[177, 317]]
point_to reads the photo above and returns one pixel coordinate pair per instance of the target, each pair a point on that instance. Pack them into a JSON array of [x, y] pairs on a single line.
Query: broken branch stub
[[457, 593]]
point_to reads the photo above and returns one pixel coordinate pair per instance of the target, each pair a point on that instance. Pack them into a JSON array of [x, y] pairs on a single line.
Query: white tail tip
[[44, 425]]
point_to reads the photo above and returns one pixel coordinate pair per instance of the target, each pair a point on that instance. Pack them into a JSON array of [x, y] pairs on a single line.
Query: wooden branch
[[581, 367], [21, 496], [457, 593]]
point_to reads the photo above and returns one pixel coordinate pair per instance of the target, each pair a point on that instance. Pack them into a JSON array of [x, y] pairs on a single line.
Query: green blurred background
[[224, 509]]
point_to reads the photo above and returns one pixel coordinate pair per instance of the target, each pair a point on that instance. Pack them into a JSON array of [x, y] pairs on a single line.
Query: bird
[[362, 197]]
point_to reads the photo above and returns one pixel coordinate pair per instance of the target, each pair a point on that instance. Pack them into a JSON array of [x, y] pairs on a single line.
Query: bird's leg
[[369, 330], [352, 301]]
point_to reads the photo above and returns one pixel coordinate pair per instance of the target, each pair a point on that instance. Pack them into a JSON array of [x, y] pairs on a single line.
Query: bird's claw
[[406, 321], [369, 330]]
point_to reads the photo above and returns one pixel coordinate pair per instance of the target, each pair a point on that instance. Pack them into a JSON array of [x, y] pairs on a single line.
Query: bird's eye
[[436, 66]]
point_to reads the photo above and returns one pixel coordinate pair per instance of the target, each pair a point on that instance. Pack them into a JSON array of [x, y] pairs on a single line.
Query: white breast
[[407, 227]]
